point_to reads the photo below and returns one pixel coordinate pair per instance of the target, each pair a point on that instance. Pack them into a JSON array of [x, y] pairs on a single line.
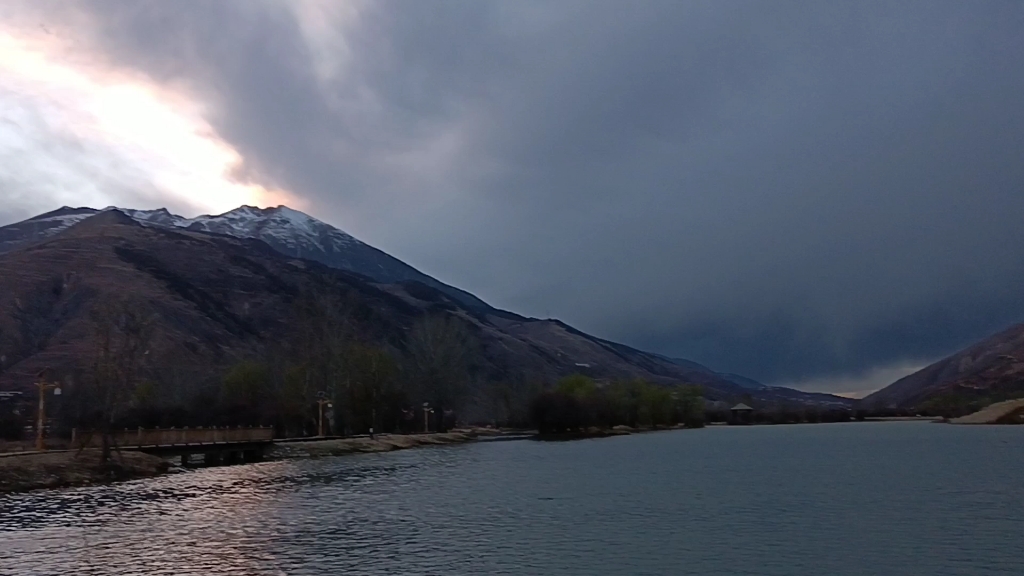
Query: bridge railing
[[187, 436]]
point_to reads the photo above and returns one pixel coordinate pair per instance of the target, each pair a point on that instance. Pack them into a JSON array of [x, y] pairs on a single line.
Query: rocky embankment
[[72, 468], [381, 443]]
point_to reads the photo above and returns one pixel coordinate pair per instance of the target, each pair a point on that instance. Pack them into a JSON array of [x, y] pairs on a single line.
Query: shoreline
[[322, 448], [70, 468], [601, 433]]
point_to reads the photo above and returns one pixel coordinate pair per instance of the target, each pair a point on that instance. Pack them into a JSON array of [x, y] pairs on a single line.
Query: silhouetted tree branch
[[439, 349]]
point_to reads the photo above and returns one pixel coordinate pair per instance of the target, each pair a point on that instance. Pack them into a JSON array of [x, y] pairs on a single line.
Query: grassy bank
[[58, 469]]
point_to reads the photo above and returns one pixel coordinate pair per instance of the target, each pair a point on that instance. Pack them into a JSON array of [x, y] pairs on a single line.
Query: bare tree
[[324, 334], [509, 400], [4, 351], [122, 333], [439, 356], [31, 315], [375, 387]]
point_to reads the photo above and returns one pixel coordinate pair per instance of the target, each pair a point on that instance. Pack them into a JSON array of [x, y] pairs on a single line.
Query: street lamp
[[427, 410], [321, 400], [43, 386]]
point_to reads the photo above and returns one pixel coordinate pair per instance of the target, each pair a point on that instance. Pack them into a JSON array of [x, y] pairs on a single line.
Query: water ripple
[[900, 498]]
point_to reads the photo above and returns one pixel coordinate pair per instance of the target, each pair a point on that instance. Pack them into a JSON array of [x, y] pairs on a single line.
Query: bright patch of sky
[[859, 385], [78, 133]]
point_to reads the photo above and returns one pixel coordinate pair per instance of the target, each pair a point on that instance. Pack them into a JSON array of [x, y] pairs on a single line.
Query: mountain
[[988, 371], [41, 227], [288, 231], [223, 288]]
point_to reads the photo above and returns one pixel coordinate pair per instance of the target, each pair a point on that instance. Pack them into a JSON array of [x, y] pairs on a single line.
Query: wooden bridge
[[216, 445]]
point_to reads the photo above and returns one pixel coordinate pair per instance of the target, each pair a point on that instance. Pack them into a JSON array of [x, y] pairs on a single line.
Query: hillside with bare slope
[[989, 371], [217, 299]]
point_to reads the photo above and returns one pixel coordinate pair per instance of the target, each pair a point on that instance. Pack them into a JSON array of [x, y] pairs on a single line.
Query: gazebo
[[741, 414]]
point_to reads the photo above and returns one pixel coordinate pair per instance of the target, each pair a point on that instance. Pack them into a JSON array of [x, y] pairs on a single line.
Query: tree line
[[578, 403], [325, 357], [331, 355]]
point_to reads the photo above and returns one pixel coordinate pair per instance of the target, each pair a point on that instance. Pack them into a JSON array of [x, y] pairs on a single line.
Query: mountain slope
[[288, 231], [41, 227], [220, 298], [748, 383], [992, 368]]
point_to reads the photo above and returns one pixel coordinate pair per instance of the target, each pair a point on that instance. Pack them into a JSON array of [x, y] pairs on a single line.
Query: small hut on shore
[[741, 414]]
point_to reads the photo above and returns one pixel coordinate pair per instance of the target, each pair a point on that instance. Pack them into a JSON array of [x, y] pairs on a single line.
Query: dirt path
[[1007, 412]]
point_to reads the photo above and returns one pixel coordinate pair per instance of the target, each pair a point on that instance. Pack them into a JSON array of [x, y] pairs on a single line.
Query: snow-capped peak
[[160, 216], [286, 230], [283, 226], [297, 219], [246, 217]]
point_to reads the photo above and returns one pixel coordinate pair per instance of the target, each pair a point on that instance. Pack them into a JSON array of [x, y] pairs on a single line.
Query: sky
[[827, 195]]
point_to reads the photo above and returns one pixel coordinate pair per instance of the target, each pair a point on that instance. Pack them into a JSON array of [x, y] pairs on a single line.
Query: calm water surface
[[864, 499]]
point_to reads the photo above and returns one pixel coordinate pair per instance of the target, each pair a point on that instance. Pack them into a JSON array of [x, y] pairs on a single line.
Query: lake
[[839, 499]]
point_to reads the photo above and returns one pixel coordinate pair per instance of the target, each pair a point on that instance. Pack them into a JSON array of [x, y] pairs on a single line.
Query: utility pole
[[373, 412], [43, 386]]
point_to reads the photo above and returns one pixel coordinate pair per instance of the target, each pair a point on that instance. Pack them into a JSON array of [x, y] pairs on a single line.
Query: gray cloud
[[794, 191]]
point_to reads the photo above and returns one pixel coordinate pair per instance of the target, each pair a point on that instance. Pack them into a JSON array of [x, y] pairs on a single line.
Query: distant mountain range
[[992, 369], [221, 285]]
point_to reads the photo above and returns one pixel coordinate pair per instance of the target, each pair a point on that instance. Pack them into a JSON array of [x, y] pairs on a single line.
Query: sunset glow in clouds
[[807, 194], [75, 131]]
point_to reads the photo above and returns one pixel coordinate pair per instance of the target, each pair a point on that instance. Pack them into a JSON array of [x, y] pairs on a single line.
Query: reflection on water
[[895, 498]]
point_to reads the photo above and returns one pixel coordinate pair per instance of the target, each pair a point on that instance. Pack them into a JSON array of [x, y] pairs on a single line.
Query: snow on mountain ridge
[[284, 229], [289, 229], [65, 219], [56, 224], [284, 225]]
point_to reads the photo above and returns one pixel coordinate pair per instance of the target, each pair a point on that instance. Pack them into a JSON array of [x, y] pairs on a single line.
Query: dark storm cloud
[[788, 190]]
